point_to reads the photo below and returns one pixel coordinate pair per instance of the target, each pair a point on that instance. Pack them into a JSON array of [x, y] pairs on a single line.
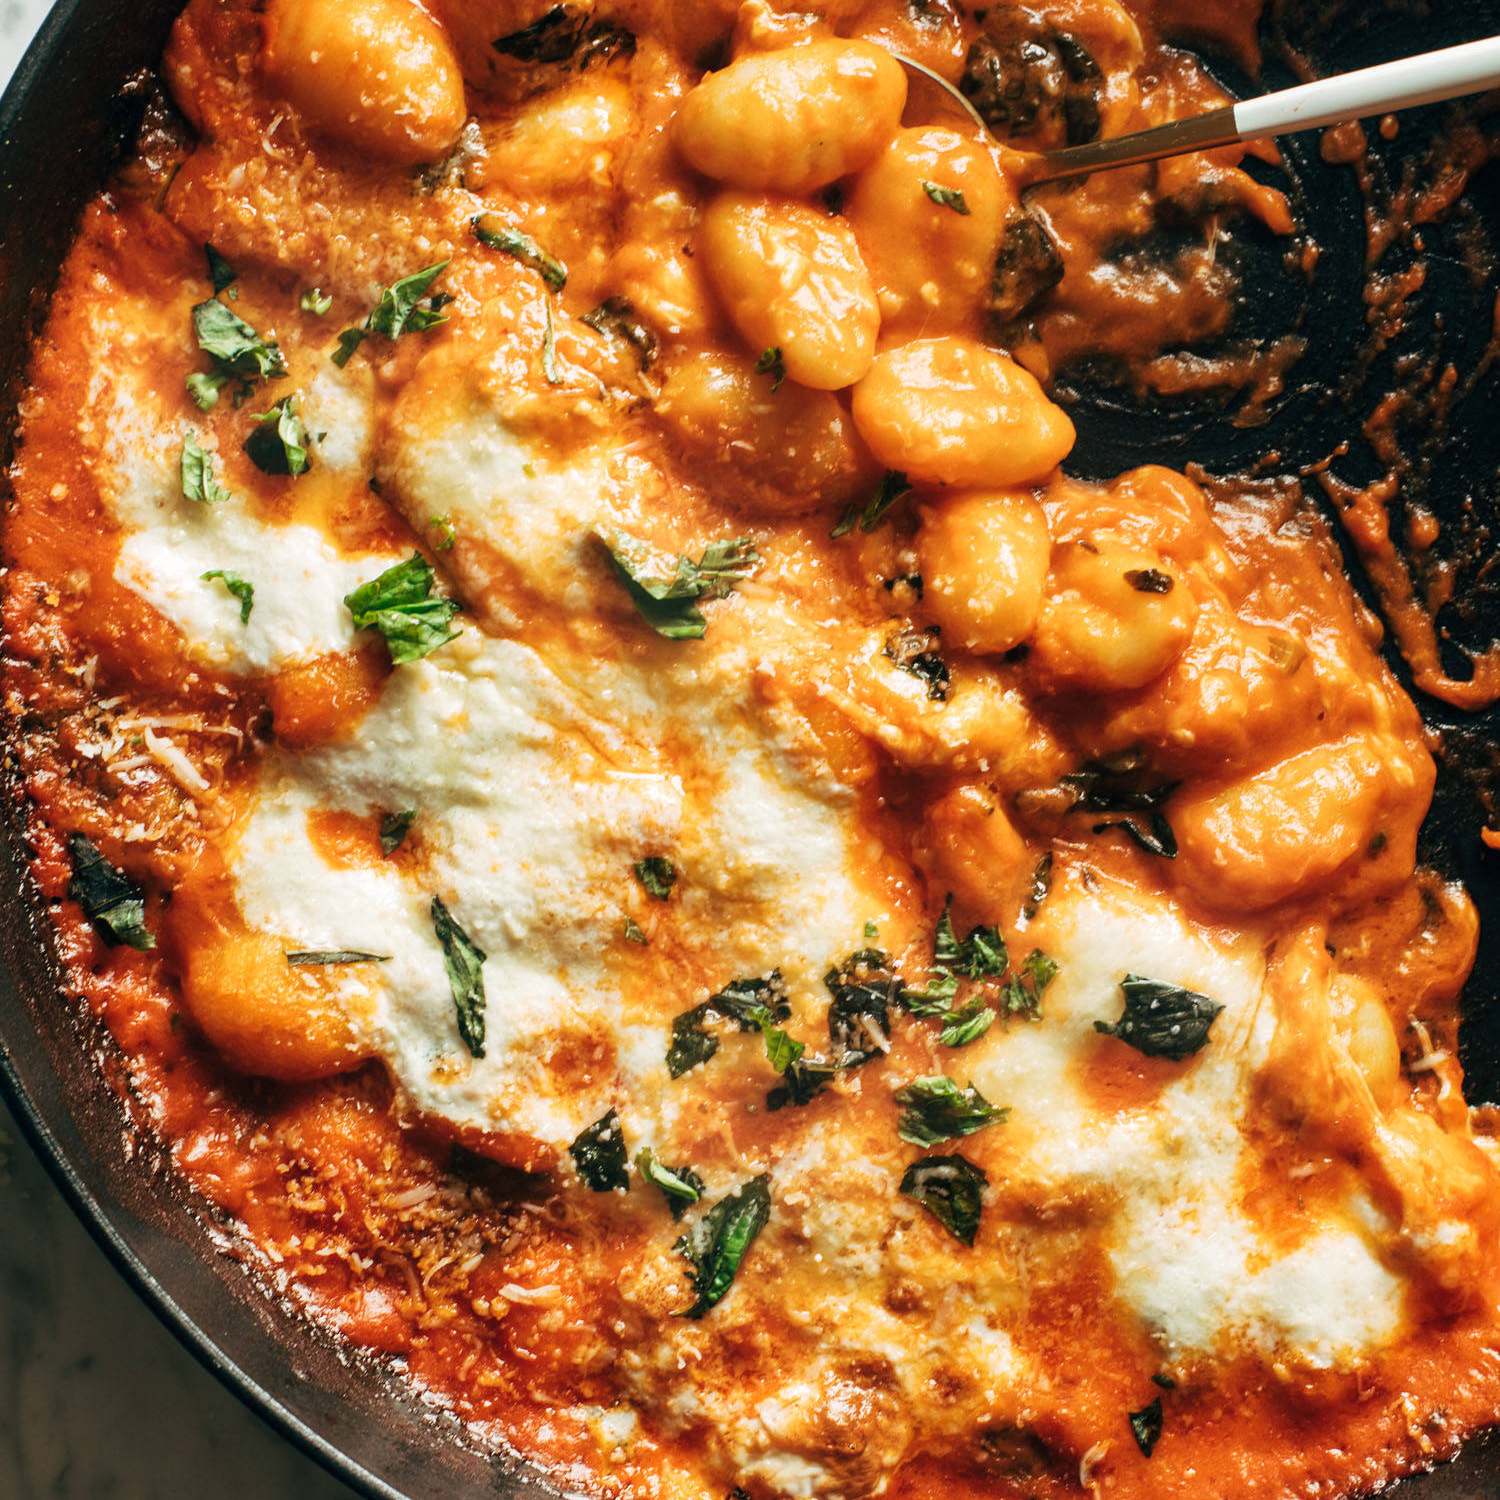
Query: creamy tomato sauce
[[648, 845]]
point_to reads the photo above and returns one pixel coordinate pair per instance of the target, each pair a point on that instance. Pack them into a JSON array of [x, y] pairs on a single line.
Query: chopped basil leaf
[[690, 1044], [279, 444], [244, 592], [549, 350], [490, 231], [599, 1154], [951, 1188], [398, 311], [1146, 1425], [303, 956], [755, 1004], [932, 999], [616, 318], [464, 960], [1155, 835], [566, 34], [872, 932], [657, 874], [665, 590], [1041, 884], [632, 933], [349, 340], [316, 301], [937, 1110], [946, 197], [1162, 1020], [1118, 783], [981, 955], [1164, 1381], [400, 604], [771, 363], [893, 486], [197, 475], [782, 1050], [717, 1243], [393, 830], [114, 904], [804, 1078], [235, 348], [447, 536], [1023, 990], [204, 389], [915, 652], [550, 39], [863, 990], [681, 1185], [220, 272], [1150, 581], [967, 1025]]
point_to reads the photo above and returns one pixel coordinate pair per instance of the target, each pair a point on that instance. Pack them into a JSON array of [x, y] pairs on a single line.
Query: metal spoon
[[1424, 79]]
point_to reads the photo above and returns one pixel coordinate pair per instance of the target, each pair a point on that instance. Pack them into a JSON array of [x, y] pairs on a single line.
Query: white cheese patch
[[1160, 1181], [533, 800], [168, 542], [299, 581]]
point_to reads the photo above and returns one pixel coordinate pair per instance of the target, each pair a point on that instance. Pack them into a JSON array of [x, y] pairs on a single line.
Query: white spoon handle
[[1467, 69]]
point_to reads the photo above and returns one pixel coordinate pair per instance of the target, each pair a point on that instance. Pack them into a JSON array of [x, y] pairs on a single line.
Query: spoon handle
[[1425, 79]]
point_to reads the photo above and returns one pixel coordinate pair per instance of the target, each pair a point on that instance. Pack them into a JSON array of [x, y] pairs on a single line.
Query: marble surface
[[100, 1401]]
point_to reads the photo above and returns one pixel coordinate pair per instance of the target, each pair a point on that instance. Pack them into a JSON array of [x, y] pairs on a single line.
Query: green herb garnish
[[599, 1154], [463, 958], [951, 1188], [114, 904], [716, 1245], [657, 874], [1162, 1020], [244, 592], [307, 956], [316, 302], [236, 349], [1146, 1425], [681, 1185], [195, 470], [393, 830], [400, 604], [220, 272], [1023, 989], [398, 311], [867, 517], [665, 590], [771, 363], [937, 1110], [488, 230], [753, 1004], [278, 445], [945, 197], [632, 933]]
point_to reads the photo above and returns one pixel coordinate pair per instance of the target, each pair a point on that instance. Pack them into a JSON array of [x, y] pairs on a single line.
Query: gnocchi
[[950, 411], [794, 120], [793, 282], [379, 75]]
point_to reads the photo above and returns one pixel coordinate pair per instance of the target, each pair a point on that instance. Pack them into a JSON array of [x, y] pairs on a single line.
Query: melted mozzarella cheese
[[533, 800], [1160, 1180], [167, 542]]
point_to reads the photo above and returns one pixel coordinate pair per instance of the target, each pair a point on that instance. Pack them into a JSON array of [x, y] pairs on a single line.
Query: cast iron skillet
[[64, 119]]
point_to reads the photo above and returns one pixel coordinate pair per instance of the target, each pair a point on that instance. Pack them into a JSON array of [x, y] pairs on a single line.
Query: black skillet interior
[[61, 122]]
